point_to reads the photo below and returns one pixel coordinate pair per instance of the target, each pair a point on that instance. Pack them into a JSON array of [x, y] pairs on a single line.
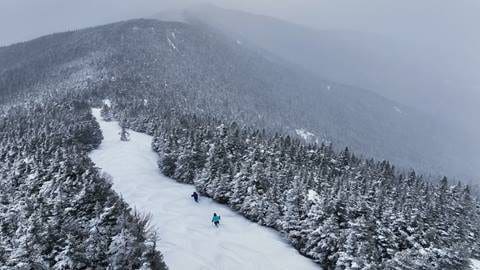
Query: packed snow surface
[[475, 264], [188, 239]]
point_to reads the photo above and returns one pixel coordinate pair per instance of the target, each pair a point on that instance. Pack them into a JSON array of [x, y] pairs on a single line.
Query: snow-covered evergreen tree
[[56, 210], [340, 210]]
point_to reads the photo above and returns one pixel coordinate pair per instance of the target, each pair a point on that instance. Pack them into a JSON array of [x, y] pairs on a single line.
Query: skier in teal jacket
[[216, 219]]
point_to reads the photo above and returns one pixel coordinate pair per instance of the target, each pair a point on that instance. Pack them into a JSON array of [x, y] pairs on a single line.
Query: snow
[[172, 44], [188, 240], [475, 264], [107, 102], [313, 196], [304, 134], [239, 42], [397, 110]]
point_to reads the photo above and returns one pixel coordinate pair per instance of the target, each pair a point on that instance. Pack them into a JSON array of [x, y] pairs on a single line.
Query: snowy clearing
[[306, 135], [188, 240], [475, 264]]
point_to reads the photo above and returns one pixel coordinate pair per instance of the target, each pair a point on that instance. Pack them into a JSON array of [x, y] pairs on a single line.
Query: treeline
[[342, 211], [56, 210]]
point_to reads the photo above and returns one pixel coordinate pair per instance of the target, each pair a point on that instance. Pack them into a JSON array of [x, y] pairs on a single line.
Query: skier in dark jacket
[[195, 196], [216, 219]]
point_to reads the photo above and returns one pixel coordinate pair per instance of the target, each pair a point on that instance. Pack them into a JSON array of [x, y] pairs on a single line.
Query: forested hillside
[[56, 210], [200, 71], [343, 211]]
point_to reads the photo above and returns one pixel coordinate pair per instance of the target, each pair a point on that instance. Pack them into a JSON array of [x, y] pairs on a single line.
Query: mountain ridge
[[185, 62]]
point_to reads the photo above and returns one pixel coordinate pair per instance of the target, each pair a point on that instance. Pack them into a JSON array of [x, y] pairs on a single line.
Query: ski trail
[[475, 264], [188, 240]]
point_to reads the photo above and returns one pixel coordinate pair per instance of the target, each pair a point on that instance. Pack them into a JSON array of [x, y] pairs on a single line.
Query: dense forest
[[206, 101], [201, 71], [56, 210], [342, 211]]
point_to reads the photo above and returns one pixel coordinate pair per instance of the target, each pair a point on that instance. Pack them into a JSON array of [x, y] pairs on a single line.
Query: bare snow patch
[[306, 135], [313, 196], [475, 264], [397, 109], [170, 42]]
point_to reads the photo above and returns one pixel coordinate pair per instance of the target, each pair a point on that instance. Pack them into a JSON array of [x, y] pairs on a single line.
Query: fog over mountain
[[421, 54]]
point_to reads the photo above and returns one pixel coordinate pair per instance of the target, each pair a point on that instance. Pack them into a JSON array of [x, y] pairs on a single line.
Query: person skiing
[[195, 196], [216, 219]]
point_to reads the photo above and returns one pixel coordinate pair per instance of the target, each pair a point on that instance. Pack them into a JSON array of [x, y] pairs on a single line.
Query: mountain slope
[[419, 74], [188, 238], [56, 210], [418, 77], [186, 85], [197, 70]]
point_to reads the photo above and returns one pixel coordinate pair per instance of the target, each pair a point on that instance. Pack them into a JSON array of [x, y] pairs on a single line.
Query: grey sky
[[426, 19]]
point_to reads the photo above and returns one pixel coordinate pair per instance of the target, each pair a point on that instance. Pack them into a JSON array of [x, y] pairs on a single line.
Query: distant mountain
[[362, 59], [201, 71], [398, 70], [401, 70]]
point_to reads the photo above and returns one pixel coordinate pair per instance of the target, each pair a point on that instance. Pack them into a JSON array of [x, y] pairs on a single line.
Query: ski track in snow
[[188, 239]]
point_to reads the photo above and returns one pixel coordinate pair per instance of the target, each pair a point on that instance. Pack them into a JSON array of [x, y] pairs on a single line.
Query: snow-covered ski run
[[475, 264], [188, 239]]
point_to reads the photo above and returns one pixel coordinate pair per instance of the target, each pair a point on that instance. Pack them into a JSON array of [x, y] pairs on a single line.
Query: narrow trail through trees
[[188, 239]]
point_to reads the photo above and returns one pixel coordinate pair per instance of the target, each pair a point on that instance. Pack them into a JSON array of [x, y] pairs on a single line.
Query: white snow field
[[475, 264], [188, 239]]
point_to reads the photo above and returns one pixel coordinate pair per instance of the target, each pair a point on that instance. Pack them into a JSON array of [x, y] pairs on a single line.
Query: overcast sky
[[420, 19]]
